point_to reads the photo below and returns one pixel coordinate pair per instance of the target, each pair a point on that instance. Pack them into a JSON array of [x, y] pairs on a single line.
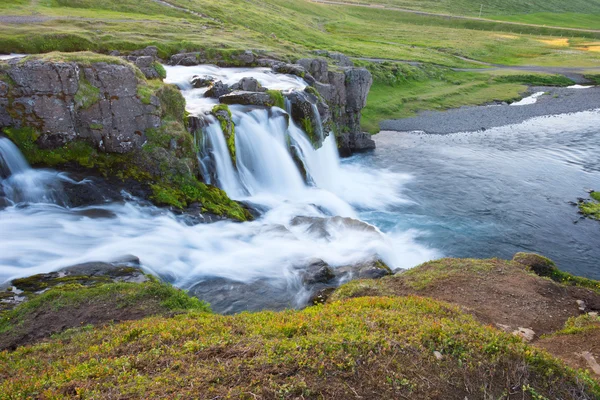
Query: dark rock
[[248, 99], [65, 101], [198, 81], [317, 271], [304, 112], [248, 85], [317, 67], [294, 69], [186, 59], [150, 51], [372, 269], [217, 90], [227, 296], [321, 296], [350, 143]]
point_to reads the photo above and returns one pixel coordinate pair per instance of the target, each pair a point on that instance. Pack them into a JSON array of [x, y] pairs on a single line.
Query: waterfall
[[19, 183]]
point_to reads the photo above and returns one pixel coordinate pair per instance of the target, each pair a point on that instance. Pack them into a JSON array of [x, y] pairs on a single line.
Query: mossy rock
[[541, 265]]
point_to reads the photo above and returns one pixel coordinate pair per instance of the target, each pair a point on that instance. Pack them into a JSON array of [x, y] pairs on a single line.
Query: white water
[[528, 100], [44, 237]]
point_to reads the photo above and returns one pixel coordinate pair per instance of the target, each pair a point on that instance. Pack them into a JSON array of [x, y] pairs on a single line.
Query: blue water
[[497, 192]]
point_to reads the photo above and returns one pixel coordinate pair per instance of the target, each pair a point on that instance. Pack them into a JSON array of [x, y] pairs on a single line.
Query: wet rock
[[227, 296], [309, 114], [217, 90], [371, 269], [317, 271], [320, 296], [350, 143], [186, 59], [248, 85], [200, 81], [248, 99], [323, 227], [294, 69], [540, 265]]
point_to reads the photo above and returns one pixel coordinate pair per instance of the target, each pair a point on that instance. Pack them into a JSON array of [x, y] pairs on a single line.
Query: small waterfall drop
[[19, 183]]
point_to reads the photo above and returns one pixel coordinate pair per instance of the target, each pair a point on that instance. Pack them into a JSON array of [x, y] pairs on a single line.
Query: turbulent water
[[467, 195], [39, 235]]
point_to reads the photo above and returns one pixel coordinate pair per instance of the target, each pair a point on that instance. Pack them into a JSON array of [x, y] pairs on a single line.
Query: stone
[[248, 85], [65, 101], [186, 59], [317, 271], [438, 355], [294, 69], [581, 305], [525, 333], [150, 51], [317, 67], [304, 108], [200, 81], [217, 90], [350, 143], [248, 98]]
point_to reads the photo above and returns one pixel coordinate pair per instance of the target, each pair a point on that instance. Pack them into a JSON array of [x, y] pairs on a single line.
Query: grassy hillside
[[407, 347]]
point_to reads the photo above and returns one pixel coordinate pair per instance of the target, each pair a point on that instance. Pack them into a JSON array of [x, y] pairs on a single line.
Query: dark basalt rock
[[198, 81], [248, 85], [248, 99], [217, 90], [66, 101]]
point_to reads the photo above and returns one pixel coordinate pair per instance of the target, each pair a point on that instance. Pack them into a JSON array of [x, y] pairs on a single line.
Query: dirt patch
[[498, 292], [570, 348], [49, 320]]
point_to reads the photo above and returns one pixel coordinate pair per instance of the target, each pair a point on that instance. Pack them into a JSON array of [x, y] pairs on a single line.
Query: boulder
[[217, 90], [294, 69], [248, 99], [317, 67], [186, 59], [150, 51], [248, 85], [324, 226], [65, 101], [311, 114], [317, 271], [201, 81]]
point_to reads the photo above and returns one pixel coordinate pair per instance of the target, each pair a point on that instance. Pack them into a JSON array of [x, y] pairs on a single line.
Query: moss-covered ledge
[[161, 155]]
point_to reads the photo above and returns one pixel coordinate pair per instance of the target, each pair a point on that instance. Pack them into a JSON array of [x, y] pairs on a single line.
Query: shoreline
[[556, 100]]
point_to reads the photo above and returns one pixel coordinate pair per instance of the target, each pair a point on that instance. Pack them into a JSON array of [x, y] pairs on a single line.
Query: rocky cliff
[[102, 113]]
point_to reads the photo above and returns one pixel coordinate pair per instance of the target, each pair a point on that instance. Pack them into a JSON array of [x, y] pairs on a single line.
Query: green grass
[[369, 347], [71, 296], [580, 324], [564, 19], [499, 7], [400, 90]]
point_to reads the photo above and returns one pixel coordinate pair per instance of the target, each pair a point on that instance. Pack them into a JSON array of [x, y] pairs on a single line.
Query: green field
[[294, 28]]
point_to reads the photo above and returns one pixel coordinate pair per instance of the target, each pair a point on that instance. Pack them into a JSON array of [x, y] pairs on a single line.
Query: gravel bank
[[469, 119]]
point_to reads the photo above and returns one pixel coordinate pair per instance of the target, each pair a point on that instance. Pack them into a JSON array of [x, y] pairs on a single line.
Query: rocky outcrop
[[223, 58], [248, 84], [311, 113], [260, 99], [65, 101], [344, 89], [217, 89]]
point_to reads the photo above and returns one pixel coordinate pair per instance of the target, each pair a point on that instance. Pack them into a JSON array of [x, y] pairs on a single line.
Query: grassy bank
[[369, 347]]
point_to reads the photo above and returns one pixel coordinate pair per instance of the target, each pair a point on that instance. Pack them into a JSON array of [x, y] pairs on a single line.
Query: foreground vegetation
[[371, 347], [591, 208]]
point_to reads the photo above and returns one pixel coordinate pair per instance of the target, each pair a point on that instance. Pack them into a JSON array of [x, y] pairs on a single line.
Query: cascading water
[[235, 266], [19, 183]]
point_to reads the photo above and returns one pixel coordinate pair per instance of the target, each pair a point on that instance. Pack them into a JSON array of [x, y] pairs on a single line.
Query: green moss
[[228, 128], [591, 208], [172, 102], [96, 126], [160, 70], [536, 80], [277, 98], [121, 294], [308, 128], [87, 95], [594, 78], [580, 324]]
